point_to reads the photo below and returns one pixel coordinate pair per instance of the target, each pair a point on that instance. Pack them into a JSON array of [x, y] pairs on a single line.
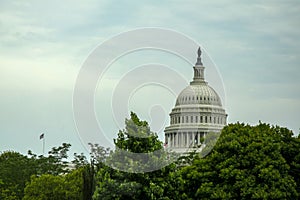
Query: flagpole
[[42, 137], [43, 145]]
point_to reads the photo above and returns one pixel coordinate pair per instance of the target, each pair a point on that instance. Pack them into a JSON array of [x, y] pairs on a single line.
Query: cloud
[[43, 45]]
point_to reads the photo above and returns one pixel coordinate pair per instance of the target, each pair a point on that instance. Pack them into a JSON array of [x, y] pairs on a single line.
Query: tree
[[246, 163], [46, 187], [137, 148], [53, 187], [15, 171], [132, 144], [55, 163]]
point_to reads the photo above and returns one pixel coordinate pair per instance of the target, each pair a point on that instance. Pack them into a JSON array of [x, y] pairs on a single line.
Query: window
[[187, 119], [196, 119], [191, 119]]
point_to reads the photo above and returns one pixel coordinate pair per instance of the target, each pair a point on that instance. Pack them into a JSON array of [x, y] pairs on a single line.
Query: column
[[174, 139], [182, 139]]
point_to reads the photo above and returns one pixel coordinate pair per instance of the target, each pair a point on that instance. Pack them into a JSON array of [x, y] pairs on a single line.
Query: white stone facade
[[198, 111]]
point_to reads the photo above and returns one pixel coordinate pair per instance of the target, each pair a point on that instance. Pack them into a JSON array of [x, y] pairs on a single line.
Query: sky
[[254, 48]]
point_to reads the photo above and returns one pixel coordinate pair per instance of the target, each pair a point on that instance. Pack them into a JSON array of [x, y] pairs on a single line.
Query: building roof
[[200, 93]]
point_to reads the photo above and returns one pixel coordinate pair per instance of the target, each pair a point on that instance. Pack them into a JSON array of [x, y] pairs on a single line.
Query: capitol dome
[[198, 111], [198, 94]]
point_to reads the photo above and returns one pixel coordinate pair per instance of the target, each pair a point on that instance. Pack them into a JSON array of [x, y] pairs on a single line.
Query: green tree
[[74, 184], [132, 144], [246, 163], [15, 171], [45, 187], [55, 187], [55, 163]]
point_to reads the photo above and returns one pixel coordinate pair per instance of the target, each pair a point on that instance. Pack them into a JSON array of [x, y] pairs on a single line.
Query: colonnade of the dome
[[198, 119]]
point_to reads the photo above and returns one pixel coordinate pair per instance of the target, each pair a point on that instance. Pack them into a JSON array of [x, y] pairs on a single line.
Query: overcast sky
[[255, 47]]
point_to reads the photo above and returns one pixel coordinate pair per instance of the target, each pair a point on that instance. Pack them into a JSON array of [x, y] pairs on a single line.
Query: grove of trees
[[247, 162]]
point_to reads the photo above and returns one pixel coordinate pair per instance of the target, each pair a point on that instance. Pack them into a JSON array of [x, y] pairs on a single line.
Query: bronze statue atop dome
[[199, 52], [199, 62]]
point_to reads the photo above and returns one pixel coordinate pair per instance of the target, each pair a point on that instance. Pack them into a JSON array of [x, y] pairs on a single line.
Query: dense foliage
[[15, 171], [132, 182], [247, 162], [39, 177], [54, 187], [260, 162]]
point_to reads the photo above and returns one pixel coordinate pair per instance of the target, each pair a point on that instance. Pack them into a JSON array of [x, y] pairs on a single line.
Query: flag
[[42, 136]]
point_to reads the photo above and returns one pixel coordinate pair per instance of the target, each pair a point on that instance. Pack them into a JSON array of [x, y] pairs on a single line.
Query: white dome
[[199, 94], [198, 111]]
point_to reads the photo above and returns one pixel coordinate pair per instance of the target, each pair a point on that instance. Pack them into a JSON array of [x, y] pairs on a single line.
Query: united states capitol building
[[197, 112]]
